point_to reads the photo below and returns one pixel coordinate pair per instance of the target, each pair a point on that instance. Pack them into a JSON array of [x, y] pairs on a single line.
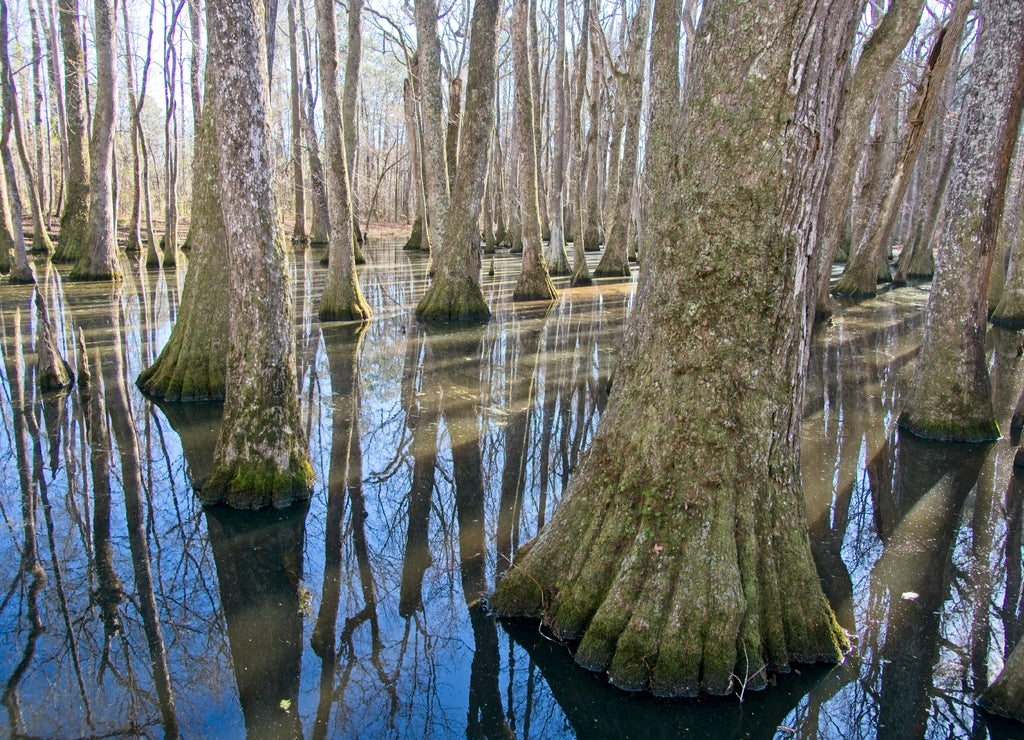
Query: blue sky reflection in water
[[362, 613]]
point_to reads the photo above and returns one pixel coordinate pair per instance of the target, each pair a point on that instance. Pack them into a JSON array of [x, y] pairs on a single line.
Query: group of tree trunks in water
[[678, 560]]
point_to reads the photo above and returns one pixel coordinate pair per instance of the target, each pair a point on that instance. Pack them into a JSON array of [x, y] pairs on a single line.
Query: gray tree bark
[[679, 572], [950, 395], [534, 282], [859, 102], [455, 293], [428, 85], [342, 298], [261, 456], [99, 260], [74, 222]]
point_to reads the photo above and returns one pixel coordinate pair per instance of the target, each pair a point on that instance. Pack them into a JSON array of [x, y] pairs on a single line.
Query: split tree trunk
[[455, 293], [678, 563], [534, 282], [859, 102], [950, 397], [99, 260], [859, 277], [342, 299]]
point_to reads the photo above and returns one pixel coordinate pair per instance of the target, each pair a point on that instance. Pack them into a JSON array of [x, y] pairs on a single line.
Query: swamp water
[[126, 609]]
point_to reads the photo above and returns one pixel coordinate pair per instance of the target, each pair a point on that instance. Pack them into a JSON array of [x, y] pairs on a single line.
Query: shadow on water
[[126, 609]]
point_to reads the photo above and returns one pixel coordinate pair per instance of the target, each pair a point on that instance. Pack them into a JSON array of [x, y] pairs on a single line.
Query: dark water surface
[[126, 609]]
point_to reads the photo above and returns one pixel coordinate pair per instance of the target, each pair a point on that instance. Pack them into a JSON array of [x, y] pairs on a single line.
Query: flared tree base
[[534, 288], [344, 305], [255, 485], [968, 428], [669, 594], [453, 300]]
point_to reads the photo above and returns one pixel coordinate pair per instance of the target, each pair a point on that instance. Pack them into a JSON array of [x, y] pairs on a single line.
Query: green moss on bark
[[245, 485], [453, 300]]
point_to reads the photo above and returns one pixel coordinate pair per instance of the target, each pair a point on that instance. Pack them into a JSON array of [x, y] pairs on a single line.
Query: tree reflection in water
[[126, 609]]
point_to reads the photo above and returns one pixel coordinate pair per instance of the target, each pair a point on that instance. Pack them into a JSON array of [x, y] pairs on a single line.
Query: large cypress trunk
[[261, 455], [679, 556]]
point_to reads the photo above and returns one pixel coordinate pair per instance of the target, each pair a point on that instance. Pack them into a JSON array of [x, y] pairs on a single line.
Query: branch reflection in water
[[127, 609]]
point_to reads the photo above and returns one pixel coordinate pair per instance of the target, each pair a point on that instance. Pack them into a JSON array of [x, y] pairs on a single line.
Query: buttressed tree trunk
[[261, 456], [74, 222], [99, 260], [950, 395], [192, 364], [677, 562], [455, 293], [534, 282], [342, 299]]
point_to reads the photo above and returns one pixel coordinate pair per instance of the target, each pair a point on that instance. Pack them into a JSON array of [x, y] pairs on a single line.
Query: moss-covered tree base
[[534, 286], [672, 589], [415, 240], [614, 264], [344, 305], [950, 428], [257, 484], [21, 276], [74, 230], [86, 273], [186, 371], [453, 300]]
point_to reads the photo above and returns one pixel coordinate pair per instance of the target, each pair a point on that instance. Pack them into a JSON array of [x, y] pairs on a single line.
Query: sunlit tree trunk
[[349, 101], [99, 260], [74, 222], [678, 563], [534, 282], [320, 220], [455, 293], [262, 456], [950, 395], [342, 298], [191, 366], [428, 72], [615, 260], [412, 135], [557, 259]]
